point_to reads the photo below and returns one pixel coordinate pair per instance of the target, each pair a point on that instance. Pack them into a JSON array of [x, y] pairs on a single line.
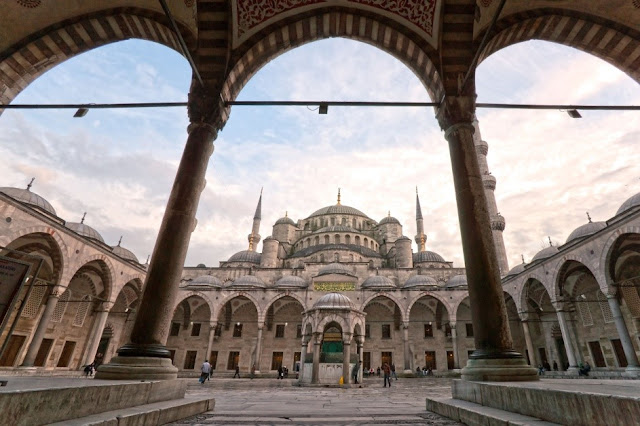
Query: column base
[[407, 372], [632, 371], [499, 370], [136, 368]]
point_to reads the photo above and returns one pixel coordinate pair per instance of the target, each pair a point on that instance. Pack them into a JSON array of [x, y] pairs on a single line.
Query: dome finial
[[523, 262], [550, 243], [120, 240], [286, 214], [83, 216], [338, 196], [389, 214], [588, 217], [30, 184]]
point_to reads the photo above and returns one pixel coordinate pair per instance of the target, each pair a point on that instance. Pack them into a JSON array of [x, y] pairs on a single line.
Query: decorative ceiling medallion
[[486, 3], [29, 3]]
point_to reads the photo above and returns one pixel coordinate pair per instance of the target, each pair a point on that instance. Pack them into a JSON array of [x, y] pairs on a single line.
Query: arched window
[[336, 239], [347, 239], [357, 240], [81, 313], [366, 242], [321, 258], [344, 221], [336, 257], [353, 223], [61, 306], [333, 221], [326, 239], [317, 241], [371, 245], [35, 299]]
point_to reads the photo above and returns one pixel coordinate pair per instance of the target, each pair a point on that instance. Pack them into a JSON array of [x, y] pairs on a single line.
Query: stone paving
[[279, 402]]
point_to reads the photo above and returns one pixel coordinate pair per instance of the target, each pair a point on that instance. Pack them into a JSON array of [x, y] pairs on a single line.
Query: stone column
[[34, 346], [145, 356], [102, 312], [212, 336], [407, 350], [633, 368], [527, 338], [258, 348], [566, 336], [360, 343], [303, 355], [454, 342], [346, 357], [494, 358], [315, 372]]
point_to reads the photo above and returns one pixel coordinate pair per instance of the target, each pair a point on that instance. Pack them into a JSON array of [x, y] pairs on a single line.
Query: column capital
[[104, 306], [57, 291], [206, 107], [456, 111]]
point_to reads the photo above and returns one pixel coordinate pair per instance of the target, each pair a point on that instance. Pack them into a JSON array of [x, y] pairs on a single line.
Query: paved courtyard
[[278, 402]]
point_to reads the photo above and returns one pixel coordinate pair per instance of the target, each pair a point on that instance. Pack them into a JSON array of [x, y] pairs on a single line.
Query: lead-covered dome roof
[[545, 253], [515, 270], [457, 281], [246, 256], [586, 230], [334, 301], [338, 209], [28, 197], [336, 268], [632, 202], [285, 221], [84, 230], [378, 282], [427, 256], [389, 220], [124, 253], [291, 281], [249, 281], [420, 281], [206, 281]]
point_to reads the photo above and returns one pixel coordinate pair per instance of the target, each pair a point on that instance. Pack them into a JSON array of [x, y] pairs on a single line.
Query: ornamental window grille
[[585, 313], [606, 309], [81, 313], [35, 300], [631, 298], [61, 306]]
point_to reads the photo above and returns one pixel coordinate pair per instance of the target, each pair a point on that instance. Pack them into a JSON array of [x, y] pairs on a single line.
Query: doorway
[[12, 350]]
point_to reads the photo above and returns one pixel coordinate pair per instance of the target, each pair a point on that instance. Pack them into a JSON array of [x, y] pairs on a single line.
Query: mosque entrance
[[332, 339]]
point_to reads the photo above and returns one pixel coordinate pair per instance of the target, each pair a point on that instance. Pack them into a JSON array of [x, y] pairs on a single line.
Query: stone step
[[301, 419], [473, 414], [158, 413]]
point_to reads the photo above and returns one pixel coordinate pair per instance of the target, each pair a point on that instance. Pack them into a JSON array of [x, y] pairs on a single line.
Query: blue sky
[[118, 165]]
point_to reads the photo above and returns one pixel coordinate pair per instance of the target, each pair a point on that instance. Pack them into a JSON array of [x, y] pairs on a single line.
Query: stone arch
[[261, 313], [279, 296], [328, 319], [561, 268], [608, 249], [389, 296], [201, 295], [438, 297], [35, 54], [110, 272], [610, 41], [523, 293], [335, 21]]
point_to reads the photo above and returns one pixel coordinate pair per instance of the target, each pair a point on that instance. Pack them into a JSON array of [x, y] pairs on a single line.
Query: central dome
[[334, 301], [338, 209]]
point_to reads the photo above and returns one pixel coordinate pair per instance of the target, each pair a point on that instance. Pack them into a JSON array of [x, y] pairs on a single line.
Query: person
[[88, 370], [378, 371], [237, 372], [253, 371], [371, 372], [279, 372], [418, 371], [205, 370], [393, 371], [540, 370], [583, 369], [555, 366], [546, 366], [355, 371], [387, 374]]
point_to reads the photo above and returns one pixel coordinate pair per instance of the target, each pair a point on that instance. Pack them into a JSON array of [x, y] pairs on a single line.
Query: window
[[218, 331], [296, 361], [172, 355], [386, 357], [386, 331], [299, 331], [447, 330], [234, 360], [213, 359], [366, 360], [237, 330], [469, 328], [367, 331], [428, 330], [430, 359], [596, 354], [195, 329], [175, 329], [450, 360], [279, 331], [67, 352], [190, 360], [81, 313], [276, 360]]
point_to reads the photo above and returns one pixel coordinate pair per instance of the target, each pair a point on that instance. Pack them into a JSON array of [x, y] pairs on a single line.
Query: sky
[[119, 165]]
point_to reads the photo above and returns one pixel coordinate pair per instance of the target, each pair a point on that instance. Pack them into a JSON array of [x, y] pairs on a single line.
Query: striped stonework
[[417, 55], [213, 40], [22, 64], [457, 48], [615, 43]]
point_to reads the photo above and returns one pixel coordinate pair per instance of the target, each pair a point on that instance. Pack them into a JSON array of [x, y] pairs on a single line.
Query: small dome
[[545, 253], [427, 256], [421, 281], [515, 270], [291, 281], [84, 230], [378, 282], [457, 281], [246, 256], [249, 281], [336, 268], [403, 238], [285, 221], [206, 281], [389, 219], [632, 202], [337, 209], [28, 197], [334, 301], [124, 253], [586, 230]]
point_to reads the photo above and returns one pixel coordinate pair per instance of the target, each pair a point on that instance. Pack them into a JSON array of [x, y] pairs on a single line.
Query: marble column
[[102, 312], [145, 356], [527, 338], [454, 342], [627, 345], [346, 357], [34, 346], [303, 355], [407, 350], [315, 372], [212, 336], [360, 343], [566, 336], [259, 348], [494, 358]]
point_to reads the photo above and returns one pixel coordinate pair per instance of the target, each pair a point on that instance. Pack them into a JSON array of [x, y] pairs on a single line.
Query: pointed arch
[[203, 296], [440, 298]]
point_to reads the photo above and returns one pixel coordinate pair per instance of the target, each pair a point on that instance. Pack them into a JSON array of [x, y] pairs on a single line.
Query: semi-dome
[[586, 230], [515, 270], [206, 281], [388, 220], [337, 209], [249, 281], [378, 282], [457, 281], [246, 256], [420, 281], [28, 197], [291, 281], [427, 256], [84, 230], [285, 221], [124, 253], [545, 253], [334, 301], [632, 202], [336, 268]]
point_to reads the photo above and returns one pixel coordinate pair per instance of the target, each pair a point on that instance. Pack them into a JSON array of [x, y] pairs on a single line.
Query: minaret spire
[[338, 196], [254, 236], [421, 238]]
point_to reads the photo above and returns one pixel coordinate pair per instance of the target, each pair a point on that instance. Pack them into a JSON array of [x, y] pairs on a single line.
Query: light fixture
[[573, 113], [238, 324], [286, 324], [323, 108], [81, 112]]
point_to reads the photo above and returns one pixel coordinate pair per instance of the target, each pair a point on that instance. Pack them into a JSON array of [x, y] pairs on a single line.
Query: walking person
[[253, 371], [280, 373], [205, 370], [237, 372], [387, 374], [393, 371], [355, 372]]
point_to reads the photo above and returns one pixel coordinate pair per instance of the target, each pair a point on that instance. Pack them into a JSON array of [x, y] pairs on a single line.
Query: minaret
[[497, 220], [421, 238], [254, 237]]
